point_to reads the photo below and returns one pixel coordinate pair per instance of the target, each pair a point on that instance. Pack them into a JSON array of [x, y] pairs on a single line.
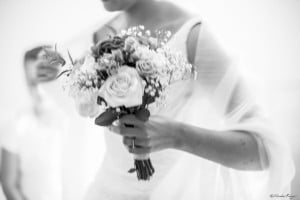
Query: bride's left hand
[[156, 134]]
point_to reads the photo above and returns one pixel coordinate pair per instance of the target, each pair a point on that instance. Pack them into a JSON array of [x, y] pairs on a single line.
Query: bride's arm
[[238, 149], [234, 149]]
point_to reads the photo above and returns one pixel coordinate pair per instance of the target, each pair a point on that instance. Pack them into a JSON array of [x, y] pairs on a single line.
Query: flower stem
[[144, 169]]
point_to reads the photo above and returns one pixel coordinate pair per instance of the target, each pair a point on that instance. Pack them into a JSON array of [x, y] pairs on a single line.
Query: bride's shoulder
[[175, 11]]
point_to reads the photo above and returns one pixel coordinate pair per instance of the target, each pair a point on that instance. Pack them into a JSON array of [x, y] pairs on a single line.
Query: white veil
[[222, 101], [237, 110]]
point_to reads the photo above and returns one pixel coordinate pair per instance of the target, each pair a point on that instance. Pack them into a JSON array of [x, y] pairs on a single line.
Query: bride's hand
[[156, 134]]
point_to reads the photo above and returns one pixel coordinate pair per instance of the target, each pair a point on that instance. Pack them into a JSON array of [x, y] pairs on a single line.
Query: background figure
[[2, 197], [31, 147]]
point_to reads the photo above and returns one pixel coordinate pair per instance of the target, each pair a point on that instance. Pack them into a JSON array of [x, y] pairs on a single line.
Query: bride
[[211, 141]]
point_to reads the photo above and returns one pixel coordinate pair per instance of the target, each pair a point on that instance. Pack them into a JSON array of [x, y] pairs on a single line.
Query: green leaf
[[70, 57], [100, 100], [131, 170], [142, 114], [106, 118]]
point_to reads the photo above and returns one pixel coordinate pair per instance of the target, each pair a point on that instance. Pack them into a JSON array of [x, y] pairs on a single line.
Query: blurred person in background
[[31, 147]]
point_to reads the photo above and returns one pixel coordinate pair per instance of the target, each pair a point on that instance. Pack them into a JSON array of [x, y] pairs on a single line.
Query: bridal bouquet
[[124, 75]]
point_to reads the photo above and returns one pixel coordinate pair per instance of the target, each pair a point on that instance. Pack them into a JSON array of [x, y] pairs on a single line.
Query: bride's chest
[[175, 97]]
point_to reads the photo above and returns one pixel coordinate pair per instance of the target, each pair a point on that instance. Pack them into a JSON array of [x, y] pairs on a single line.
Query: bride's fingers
[[115, 129], [141, 150], [128, 141], [133, 132], [140, 142], [130, 119], [125, 131]]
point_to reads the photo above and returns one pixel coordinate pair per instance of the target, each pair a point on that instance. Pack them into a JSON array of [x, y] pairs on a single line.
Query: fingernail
[[116, 123]]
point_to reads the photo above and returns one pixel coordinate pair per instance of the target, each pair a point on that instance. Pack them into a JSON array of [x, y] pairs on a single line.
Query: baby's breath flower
[[148, 33]]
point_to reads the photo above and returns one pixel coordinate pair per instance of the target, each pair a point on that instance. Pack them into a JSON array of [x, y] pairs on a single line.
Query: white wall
[[25, 24], [263, 34]]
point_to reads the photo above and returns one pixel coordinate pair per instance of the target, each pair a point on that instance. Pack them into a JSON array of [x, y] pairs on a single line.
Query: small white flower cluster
[[135, 31], [159, 40], [177, 66], [83, 77]]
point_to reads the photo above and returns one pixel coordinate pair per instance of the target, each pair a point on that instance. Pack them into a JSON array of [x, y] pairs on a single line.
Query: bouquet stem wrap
[[142, 162], [142, 166]]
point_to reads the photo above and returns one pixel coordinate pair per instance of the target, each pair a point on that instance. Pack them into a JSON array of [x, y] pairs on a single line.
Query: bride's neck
[[144, 12], [153, 15]]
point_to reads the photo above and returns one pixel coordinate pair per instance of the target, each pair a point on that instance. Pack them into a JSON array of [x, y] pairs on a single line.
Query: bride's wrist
[[178, 140], [182, 137]]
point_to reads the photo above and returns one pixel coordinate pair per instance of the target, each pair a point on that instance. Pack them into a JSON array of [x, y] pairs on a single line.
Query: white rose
[[160, 62], [86, 104], [146, 67], [131, 44], [125, 88], [154, 66]]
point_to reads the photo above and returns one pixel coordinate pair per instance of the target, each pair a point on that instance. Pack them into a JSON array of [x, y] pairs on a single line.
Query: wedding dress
[[37, 140], [216, 100]]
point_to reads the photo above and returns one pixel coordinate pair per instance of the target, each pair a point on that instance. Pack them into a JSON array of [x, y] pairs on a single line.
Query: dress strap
[[180, 38], [189, 24]]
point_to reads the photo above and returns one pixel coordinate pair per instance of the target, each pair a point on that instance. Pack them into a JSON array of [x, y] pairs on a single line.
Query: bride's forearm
[[234, 149]]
